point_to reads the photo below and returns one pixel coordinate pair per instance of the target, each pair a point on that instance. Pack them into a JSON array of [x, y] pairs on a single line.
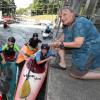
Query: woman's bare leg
[[62, 58], [89, 75]]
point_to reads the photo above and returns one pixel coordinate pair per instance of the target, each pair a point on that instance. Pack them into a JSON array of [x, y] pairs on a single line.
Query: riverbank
[[38, 18]]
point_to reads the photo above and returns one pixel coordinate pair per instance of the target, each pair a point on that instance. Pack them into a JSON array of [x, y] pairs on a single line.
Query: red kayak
[[35, 79], [0, 96]]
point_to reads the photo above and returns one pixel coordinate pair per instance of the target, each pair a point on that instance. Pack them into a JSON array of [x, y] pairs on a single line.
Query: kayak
[[0, 96], [12, 82], [36, 79]]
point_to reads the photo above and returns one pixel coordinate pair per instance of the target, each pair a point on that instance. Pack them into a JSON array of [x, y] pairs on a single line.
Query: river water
[[22, 32]]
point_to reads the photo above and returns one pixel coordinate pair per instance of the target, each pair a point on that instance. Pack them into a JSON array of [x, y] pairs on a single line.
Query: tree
[[8, 7], [40, 7], [21, 11]]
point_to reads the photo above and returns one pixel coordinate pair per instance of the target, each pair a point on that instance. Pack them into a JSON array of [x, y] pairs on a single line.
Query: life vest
[[42, 57], [27, 52], [38, 68], [9, 53], [34, 67]]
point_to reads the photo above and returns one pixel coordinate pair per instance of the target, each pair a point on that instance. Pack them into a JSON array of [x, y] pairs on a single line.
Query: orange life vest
[[27, 52]]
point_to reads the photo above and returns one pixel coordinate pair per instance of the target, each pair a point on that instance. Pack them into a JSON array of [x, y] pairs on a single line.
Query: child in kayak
[[5, 25], [10, 49], [27, 50], [34, 40], [8, 53], [48, 30], [42, 57]]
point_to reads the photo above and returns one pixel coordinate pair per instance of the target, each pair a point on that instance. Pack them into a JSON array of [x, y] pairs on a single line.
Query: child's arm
[[3, 59], [2, 56]]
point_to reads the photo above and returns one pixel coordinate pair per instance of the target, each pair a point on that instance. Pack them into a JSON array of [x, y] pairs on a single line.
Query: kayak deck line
[[33, 76]]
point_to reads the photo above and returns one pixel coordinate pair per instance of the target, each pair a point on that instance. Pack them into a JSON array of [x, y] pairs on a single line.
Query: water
[[22, 33]]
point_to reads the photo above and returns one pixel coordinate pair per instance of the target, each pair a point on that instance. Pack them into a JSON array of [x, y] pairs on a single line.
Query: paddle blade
[[25, 90]]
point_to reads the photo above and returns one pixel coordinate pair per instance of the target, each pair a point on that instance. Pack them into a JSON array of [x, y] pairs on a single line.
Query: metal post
[[96, 2], [66, 2], [0, 4]]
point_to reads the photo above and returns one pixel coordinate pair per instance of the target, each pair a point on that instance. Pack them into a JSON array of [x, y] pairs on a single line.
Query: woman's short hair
[[68, 8]]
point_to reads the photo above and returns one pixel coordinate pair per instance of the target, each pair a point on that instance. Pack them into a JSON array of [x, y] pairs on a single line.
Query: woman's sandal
[[57, 66]]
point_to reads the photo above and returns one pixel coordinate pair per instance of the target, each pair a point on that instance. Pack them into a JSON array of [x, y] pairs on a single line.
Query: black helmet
[[35, 35], [33, 43], [11, 39], [45, 46]]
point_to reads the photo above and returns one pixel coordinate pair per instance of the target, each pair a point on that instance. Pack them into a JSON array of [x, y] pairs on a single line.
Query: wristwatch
[[62, 45]]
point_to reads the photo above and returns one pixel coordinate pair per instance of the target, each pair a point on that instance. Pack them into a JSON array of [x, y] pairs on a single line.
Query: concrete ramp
[[62, 87]]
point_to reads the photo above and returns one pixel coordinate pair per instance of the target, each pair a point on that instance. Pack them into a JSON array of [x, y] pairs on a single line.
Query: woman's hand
[[55, 44], [50, 58]]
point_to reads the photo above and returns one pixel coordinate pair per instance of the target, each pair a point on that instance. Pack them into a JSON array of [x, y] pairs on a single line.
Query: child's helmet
[[45, 46], [12, 39], [35, 35]]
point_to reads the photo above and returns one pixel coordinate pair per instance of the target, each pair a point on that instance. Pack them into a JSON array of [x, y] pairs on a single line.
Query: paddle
[[26, 88], [57, 29], [56, 34]]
